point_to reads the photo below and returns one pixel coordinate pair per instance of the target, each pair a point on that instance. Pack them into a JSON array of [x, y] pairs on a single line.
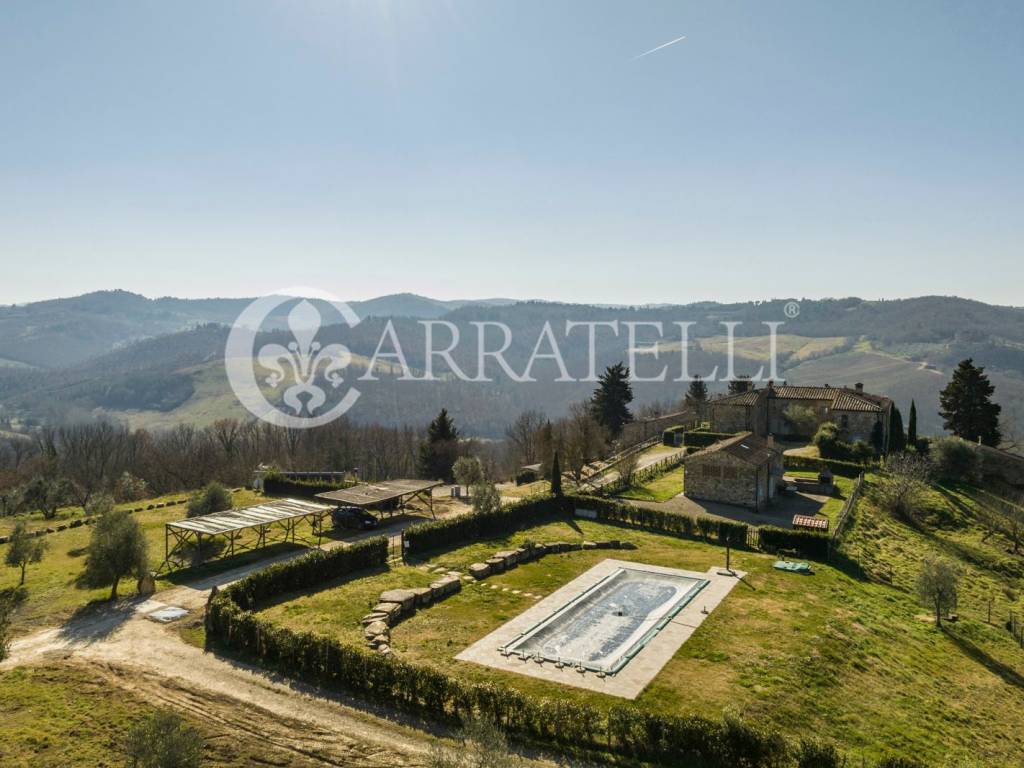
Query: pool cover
[[605, 626]]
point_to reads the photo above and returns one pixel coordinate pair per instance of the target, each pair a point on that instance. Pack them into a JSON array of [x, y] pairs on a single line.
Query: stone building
[[797, 412], [744, 470]]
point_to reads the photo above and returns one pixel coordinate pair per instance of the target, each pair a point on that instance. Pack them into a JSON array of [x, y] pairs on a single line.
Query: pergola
[[273, 522], [383, 493]]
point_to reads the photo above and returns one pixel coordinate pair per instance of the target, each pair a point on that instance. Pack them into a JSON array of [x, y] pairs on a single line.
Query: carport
[[385, 495]]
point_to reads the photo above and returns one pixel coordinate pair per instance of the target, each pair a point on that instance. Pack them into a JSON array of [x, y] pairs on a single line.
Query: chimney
[[859, 386]]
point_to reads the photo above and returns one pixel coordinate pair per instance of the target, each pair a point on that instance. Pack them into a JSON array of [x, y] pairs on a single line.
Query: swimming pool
[[604, 627]]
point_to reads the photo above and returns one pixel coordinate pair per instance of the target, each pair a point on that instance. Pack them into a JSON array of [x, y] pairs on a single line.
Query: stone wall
[[644, 429], [721, 477]]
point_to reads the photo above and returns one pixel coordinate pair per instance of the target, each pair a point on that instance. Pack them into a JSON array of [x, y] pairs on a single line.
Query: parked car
[[353, 517]]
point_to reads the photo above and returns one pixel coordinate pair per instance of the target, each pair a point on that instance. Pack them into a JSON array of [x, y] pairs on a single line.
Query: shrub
[[812, 464], [810, 544], [815, 754], [164, 740], [955, 460], [526, 476], [213, 498], [117, 548], [900, 489], [277, 484], [130, 488]]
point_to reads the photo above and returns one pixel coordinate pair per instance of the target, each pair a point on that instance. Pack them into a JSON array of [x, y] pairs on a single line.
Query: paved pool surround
[[636, 649]]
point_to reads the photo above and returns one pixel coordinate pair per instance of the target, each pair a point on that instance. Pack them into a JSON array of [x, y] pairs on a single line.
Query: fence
[[643, 475], [845, 514]]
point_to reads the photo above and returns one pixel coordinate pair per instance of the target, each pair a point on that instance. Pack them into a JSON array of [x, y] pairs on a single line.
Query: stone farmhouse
[[744, 470], [796, 412]]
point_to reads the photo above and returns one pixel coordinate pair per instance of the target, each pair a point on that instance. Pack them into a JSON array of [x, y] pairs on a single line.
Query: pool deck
[[628, 682]]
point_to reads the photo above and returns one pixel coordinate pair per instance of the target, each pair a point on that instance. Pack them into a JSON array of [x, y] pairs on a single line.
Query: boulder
[[369, 618], [404, 597], [424, 596], [627, 545], [589, 545], [479, 570], [384, 649], [375, 629], [497, 564], [449, 585]]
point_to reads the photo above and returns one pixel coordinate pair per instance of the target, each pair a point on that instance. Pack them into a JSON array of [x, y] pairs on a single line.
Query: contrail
[[663, 45]]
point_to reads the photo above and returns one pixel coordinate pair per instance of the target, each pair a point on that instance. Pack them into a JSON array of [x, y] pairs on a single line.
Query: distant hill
[[158, 361], [62, 332]]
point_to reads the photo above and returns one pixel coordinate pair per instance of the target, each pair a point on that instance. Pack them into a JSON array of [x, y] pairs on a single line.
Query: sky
[[522, 149]]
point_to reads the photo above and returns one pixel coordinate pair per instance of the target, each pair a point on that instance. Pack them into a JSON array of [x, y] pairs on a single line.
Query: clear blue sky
[[480, 148]]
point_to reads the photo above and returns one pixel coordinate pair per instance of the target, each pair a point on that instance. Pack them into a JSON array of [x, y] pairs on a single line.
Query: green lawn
[[854, 661], [52, 592], [661, 488], [69, 716]]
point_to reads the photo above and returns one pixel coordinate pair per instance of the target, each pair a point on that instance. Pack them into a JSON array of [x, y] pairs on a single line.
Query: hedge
[[810, 544], [483, 525], [308, 571], [849, 469], [280, 485], [624, 730], [663, 521]]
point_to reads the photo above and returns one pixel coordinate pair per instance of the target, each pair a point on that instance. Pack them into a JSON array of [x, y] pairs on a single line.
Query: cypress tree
[[897, 438], [556, 476], [610, 403], [912, 426], [967, 408], [697, 394]]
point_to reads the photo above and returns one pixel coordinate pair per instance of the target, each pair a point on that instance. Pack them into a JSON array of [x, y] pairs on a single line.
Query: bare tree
[[900, 488], [524, 436], [582, 439]]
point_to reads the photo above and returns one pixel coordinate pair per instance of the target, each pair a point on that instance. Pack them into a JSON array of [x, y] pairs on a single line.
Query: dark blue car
[[354, 518]]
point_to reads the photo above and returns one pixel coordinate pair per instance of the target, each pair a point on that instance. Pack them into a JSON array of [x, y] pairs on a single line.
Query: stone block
[[375, 629], [405, 597], [424, 596], [369, 618], [511, 557], [479, 570], [497, 564], [390, 610]]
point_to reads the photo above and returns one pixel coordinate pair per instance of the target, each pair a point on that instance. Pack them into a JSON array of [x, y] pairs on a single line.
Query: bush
[[955, 460], [526, 476], [812, 464], [6, 612], [164, 740], [815, 754], [277, 484], [810, 544], [213, 498]]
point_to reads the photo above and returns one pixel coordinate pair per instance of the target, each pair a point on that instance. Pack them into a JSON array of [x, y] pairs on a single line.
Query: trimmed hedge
[[279, 485], [663, 521], [484, 525], [624, 730], [810, 544], [308, 571], [849, 469]]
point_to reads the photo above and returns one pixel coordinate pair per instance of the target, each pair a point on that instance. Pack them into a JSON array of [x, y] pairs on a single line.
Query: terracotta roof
[[842, 399], [744, 446], [740, 398]]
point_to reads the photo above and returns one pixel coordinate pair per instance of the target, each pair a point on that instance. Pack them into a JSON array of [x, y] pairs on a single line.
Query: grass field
[[68, 716], [52, 590], [662, 488], [855, 661]]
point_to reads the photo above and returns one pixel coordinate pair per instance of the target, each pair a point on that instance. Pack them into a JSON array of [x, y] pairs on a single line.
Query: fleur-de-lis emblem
[[303, 358]]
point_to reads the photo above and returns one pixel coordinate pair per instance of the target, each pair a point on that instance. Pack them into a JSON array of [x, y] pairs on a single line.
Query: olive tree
[[117, 549], [23, 548], [486, 497], [937, 586], [468, 471], [901, 487]]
